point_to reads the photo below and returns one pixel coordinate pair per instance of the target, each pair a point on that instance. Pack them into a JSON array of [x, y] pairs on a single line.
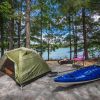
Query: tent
[[23, 65]]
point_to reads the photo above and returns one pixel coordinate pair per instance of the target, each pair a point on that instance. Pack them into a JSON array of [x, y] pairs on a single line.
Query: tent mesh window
[[8, 68]]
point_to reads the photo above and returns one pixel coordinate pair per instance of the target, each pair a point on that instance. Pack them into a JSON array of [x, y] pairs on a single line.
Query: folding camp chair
[[80, 58]]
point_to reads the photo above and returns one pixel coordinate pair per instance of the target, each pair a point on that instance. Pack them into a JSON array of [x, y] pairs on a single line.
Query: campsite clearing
[[45, 89]]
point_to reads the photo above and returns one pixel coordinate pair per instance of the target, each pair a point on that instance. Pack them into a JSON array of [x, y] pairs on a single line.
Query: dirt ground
[[45, 89]]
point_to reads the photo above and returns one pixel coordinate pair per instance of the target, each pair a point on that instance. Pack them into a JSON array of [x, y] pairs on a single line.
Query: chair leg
[[83, 62]]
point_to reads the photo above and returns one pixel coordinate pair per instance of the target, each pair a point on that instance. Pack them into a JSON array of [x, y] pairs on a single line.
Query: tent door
[[8, 68]]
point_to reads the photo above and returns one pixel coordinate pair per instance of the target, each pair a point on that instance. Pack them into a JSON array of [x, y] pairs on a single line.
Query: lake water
[[60, 53]]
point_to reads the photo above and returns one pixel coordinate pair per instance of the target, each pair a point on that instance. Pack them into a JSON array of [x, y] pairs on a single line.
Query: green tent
[[23, 65]]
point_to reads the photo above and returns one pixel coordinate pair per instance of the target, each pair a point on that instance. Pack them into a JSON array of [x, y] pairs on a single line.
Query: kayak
[[82, 75]]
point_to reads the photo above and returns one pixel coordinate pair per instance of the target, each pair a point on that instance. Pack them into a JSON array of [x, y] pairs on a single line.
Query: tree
[[1, 34], [20, 6], [4, 16], [73, 4], [70, 10], [11, 25], [27, 29]]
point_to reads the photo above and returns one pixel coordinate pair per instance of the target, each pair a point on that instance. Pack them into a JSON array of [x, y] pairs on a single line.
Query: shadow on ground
[[1, 74], [71, 87]]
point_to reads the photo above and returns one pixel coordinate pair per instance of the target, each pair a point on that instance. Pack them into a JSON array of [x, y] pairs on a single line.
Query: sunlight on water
[[60, 53]]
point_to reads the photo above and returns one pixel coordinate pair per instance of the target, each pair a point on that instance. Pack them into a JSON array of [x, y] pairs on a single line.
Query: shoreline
[[86, 62]]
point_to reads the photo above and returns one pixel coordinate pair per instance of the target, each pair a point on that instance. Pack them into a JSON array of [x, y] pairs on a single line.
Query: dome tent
[[23, 65]]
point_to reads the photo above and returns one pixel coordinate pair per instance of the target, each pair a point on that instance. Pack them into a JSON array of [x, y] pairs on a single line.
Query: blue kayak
[[82, 75]]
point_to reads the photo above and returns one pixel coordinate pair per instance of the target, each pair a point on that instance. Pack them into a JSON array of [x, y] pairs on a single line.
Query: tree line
[[50, 24]]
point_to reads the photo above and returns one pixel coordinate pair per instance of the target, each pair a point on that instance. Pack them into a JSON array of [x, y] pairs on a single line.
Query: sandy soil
[[45, 89], [88, 62]]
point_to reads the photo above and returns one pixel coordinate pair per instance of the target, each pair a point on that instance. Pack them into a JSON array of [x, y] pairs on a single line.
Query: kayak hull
[[73, 83], [83, 75]]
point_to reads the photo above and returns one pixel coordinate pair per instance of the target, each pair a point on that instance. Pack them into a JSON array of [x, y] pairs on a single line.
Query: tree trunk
[[74, 37], [11, 27], [19, 32], [69, 20], [19, 23], [48, 48], [41, 34], [75, 42], [84, 34], [27, 23], [11, 33], [1, 35], [1, 32]]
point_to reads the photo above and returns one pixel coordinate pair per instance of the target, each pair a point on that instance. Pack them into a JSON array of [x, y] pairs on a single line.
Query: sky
[[96, 17]]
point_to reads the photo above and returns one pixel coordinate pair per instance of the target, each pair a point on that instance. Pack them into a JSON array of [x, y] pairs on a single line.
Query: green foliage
[[49, 14], [5, 9]]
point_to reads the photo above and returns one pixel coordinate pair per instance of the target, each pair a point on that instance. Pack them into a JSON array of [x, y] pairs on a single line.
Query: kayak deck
[[82, 75]]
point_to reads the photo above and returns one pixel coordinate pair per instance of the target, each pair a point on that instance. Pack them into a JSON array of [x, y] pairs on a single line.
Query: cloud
[[96, 17]]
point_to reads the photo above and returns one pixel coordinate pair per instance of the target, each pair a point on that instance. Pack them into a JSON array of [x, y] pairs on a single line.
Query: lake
[[60, 53]]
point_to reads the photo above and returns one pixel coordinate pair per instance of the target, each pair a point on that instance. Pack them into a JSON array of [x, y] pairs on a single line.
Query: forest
[[50, 24]]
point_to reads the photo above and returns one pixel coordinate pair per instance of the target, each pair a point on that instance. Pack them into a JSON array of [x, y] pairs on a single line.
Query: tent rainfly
[[23, 65]]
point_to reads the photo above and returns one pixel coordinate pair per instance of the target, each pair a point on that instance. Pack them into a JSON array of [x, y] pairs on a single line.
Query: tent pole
[[21, 87]]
